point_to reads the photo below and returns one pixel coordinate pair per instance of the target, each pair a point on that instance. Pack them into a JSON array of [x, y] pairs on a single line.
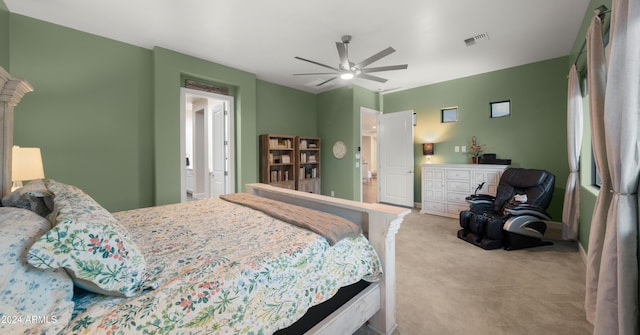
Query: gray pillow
[[35, 196]]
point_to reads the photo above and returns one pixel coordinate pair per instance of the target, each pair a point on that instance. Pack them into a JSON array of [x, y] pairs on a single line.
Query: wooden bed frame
[[380, 223], [374, 306], [11, 92]]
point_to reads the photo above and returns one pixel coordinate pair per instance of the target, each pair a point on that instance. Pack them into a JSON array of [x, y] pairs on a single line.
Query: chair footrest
[[513, 241], [526, 225], [482, 242]]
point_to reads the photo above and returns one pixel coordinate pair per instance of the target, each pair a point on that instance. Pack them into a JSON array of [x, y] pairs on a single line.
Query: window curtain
[[596, 82], [571, 207], [612, 268]]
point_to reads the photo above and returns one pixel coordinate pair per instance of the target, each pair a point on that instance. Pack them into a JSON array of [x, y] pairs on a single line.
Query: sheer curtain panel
[[596, 82], [616, 303], [571, 207]]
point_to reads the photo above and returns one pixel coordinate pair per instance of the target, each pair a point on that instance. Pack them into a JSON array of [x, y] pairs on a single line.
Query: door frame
[[185, 95]]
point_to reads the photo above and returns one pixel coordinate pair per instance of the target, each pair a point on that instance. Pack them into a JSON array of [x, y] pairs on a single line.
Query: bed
[[169, 266]]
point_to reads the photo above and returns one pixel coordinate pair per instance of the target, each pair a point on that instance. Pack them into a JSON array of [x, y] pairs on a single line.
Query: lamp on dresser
[[26, 164]]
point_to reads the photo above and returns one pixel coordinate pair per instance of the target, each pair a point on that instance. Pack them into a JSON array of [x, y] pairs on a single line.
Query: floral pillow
[[35, 301], [34, 196], [89, 243]]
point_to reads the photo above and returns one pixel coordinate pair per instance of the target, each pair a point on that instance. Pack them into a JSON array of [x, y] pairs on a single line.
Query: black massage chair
[[515, 218]]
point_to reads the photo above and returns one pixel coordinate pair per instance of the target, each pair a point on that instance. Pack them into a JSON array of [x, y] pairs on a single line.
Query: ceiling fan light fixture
[[347, 70], [346, 75]]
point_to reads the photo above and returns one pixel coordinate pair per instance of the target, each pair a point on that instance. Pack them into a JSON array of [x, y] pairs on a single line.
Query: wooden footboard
[[380, 223], [352, 315]]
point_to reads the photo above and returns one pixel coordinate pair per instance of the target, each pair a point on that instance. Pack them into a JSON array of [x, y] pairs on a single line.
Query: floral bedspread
[[221, 268]]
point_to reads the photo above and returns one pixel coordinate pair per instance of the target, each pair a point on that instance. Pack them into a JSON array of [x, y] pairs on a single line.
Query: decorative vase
[[475, 159]]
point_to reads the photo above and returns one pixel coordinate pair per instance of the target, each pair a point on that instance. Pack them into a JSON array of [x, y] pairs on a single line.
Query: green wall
[[106, 113], [534, 136], [338, 119], [90, 111], [4, 36], [168, 67], [282, 110], [335, 122]]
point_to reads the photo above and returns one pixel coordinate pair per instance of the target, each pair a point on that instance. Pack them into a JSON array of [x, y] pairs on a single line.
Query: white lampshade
[[26, 164]]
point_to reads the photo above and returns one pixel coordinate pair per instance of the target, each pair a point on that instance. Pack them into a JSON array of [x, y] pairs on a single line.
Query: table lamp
[[26, 164]]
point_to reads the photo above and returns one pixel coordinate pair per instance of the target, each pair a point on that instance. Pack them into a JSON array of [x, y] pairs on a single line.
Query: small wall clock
[[339, 149]]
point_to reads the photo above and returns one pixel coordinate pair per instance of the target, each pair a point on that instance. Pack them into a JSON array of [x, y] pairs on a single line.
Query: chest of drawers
[[445, 186]]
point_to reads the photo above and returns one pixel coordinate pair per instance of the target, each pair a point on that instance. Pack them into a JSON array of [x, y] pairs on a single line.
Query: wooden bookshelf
[[277, 160], [307, 151]]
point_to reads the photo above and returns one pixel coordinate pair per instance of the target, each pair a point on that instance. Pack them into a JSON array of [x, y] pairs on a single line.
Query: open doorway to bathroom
[[206, 143], [369, 154]]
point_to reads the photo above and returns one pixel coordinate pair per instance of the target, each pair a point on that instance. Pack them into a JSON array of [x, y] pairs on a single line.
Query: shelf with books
[[277, 160], [308, 164]]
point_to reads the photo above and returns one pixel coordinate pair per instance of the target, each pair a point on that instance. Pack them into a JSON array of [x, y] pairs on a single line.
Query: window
[[449, 114], [595, 176], [500, 108]]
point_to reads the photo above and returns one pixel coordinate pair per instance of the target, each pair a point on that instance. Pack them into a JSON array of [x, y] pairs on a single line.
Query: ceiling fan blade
[[310, 61], [326, 81], [344, 57], [370, 77], [375, 57], [313, 74], [385, 68]]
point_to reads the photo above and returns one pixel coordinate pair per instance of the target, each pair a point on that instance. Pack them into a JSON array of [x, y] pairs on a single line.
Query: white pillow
[[35, 301]]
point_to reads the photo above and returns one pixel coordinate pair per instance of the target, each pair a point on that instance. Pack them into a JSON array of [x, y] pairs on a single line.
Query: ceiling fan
[[348, 69]]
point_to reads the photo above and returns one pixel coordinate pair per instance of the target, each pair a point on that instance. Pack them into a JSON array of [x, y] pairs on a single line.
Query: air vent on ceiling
[[473, 40]]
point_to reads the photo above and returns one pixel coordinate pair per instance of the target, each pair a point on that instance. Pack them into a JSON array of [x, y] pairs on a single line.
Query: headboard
[[11, 92]]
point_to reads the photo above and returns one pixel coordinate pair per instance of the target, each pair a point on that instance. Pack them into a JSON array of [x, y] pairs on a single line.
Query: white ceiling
[[262, 37]]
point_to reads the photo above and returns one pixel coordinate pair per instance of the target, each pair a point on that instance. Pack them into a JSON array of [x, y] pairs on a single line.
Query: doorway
[[369, 155], [206, 144]]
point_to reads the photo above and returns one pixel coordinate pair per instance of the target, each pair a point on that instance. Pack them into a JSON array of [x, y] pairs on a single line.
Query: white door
[[395, 158], [218, 158]]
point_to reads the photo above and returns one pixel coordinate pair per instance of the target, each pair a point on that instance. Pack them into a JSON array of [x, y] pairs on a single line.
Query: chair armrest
[[480, 198], [480, 203], [517, 209]]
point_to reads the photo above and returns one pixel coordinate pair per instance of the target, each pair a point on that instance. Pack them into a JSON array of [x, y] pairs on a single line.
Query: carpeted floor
[[448, 286]]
